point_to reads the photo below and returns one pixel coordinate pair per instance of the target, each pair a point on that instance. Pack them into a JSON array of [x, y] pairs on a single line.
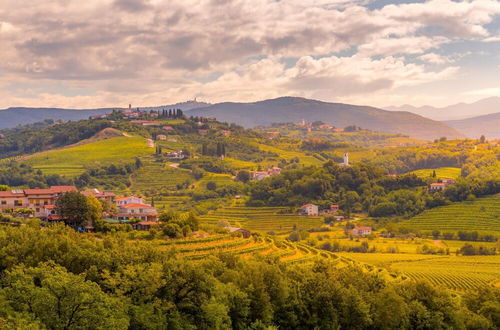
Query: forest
[[58, 279]]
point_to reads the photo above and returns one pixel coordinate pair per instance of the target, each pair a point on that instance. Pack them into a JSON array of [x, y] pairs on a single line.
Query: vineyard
[[454, 272], [442, 172], [482, 215], [262, 247], [264, 219]]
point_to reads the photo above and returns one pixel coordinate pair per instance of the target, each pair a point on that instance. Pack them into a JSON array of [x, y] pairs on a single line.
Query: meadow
[[73, 161]]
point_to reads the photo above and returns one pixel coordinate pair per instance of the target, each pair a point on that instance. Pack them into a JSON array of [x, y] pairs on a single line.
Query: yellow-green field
[[482, 215], [72, 161], [442, 172], [454, 272]]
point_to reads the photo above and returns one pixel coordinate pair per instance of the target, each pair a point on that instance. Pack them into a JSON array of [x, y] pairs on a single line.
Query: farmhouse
[[38, 200], [129, 200], [168, 128], [334, 208], [176, 155], [245, 233], [161, 137], [309, 209], [362, 231], [203, 131], [145, 212], [260, 175], [225, 132]]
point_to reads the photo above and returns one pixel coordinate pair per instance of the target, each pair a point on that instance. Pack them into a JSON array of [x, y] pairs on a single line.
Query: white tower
[[346, 159]]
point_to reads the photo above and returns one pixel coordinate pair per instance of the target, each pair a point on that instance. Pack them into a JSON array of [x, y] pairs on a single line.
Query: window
[[4, 202]]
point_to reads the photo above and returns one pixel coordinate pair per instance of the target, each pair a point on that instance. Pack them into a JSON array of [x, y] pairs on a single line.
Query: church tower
[[346, 159]]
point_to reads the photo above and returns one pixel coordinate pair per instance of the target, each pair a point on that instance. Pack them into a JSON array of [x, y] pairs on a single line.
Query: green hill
[[72, 161], [482, 214], [294, 109]]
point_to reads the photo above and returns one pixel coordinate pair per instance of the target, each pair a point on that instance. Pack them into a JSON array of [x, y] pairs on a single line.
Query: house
[[339, 217], [437, 186], [2, 136], [36, 199], [129, 200], [176, 155], [448, 182], [245, 233], [260, 175], [203, 131], [161, 137], [225, 132], [334, 208], [362, 231], [145, 225], [168, 128], [309, 209], [101, 195], [142, 211]]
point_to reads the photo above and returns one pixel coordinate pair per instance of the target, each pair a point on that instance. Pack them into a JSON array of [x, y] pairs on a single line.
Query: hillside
[[21, 116], [455, 111], [487, 125], [293, 109]]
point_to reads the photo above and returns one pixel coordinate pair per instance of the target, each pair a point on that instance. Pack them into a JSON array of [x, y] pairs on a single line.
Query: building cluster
[[42, 202], [176, 155], [313, 210], [322, 127], [260, 175]]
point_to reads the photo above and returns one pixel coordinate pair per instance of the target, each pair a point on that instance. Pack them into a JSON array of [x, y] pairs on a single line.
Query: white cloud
[[161, 50], [493, 91]]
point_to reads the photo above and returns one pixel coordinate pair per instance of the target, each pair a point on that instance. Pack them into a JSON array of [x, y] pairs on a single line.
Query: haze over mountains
[[456, 111], [487, 125], [294, 109]]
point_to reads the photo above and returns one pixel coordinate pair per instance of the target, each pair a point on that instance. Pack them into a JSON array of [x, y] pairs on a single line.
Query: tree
[[243, 176], [4, 187], [61, 300], [482, 139], [211, 185], [351, 198], [78, 210]]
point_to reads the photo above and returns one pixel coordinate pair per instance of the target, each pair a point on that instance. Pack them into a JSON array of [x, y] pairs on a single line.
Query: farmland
[[73, 161], [454, 272], [481, 214], [262, 219], [442, 172]]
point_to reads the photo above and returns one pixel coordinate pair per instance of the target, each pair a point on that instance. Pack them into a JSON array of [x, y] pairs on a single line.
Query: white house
[[141, 211], [362, 231], [310, 209]]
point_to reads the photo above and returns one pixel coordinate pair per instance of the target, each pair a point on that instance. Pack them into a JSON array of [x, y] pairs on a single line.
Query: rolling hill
[[455, 111], [293, 109], [487, 125], [20, 116]]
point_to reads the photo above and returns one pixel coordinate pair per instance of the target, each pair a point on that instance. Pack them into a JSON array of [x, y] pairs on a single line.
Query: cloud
[[434, 58], [493, 91], [163, 49]]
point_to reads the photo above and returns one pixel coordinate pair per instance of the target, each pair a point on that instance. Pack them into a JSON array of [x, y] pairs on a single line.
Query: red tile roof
[[136, 205], [363, 228], [38, 191], [11, 194], [63, 189]]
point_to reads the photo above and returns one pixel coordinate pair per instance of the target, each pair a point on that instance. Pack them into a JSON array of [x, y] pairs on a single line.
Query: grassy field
[[262, 219], [442, 172], [454, 272], [72, 161], [482, 215]]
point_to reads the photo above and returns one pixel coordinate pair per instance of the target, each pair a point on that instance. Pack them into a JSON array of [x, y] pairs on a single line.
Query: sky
[[109, 53]]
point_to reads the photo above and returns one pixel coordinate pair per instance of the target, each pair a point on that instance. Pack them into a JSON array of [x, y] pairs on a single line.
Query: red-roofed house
[[129, 200], [437, 186], [141, 211]]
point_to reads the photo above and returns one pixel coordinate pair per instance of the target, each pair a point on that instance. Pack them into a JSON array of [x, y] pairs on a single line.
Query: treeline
[[58, 279]]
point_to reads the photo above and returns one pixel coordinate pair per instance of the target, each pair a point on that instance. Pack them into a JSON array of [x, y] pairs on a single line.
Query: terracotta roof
[[363, 228], [438, 184], [49, 207], [38, 191], [307, 205], [147, 223], [10, 193], [60, 189], [136, 205]]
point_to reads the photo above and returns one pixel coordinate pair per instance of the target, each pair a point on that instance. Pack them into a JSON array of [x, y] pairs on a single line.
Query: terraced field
[[454, 272], [264, 247], [153, 176], [442, 172], [72, 161], [263, 219], [482, 215]]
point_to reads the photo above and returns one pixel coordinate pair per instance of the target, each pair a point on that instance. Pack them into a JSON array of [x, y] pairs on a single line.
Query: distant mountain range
[[454, 112], [294, 109], [487, 125], [20, 116]]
